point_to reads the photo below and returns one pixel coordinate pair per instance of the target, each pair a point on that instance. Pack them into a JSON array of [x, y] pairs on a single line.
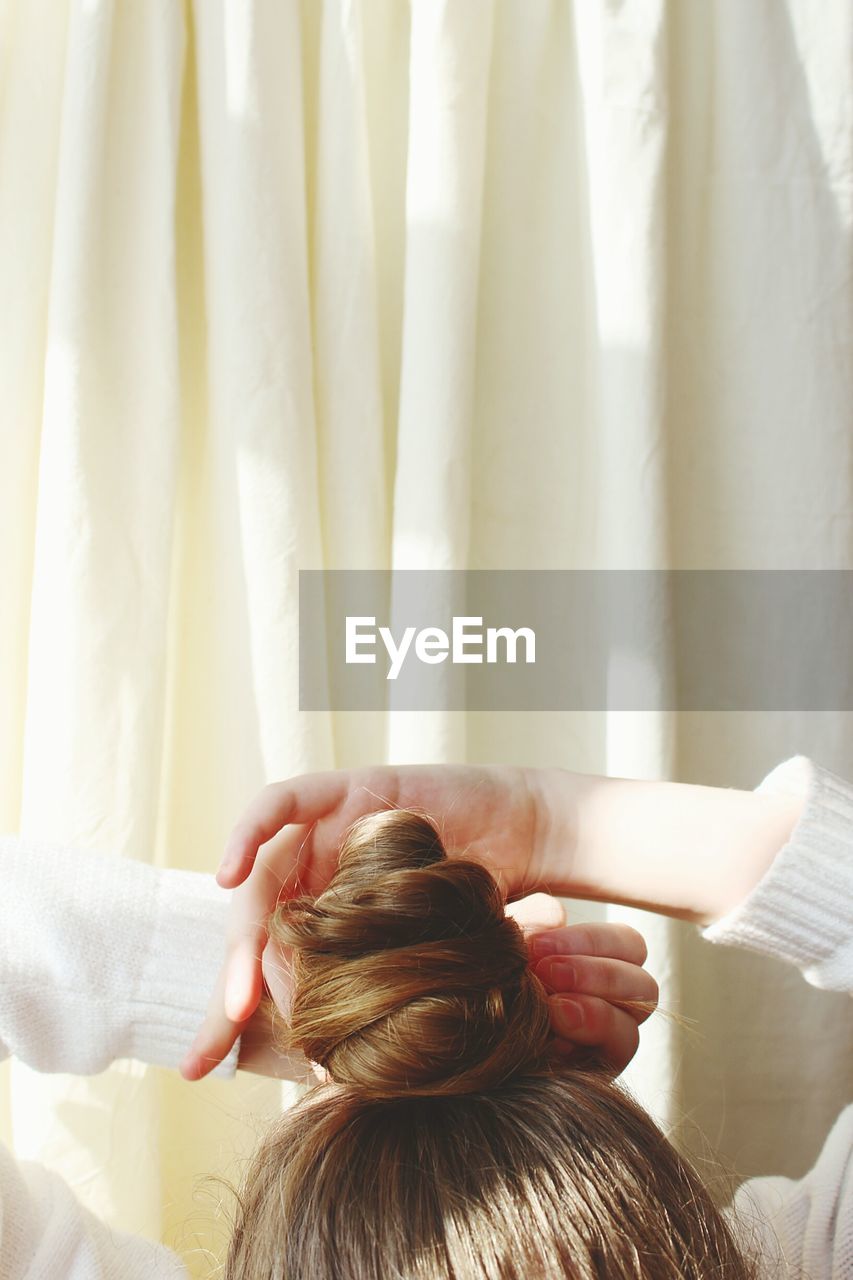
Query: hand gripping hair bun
[[453, 1143], [408, 977]]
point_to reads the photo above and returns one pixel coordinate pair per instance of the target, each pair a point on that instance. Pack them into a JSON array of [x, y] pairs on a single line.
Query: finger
[[598, 1024], [537, 911], [213, 1040], [212, 1043], [288, 865], [278, 974], [593, 938], [243, 976], [613, 980], [276, 873], [235, 999], [301, 800]]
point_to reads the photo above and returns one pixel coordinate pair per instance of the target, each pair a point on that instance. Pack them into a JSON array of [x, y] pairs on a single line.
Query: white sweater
[[103, 958], [802, 911]]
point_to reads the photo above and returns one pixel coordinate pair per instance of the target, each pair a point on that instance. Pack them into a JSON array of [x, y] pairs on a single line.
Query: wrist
[[555, 795], [768, 823], [678, 849]]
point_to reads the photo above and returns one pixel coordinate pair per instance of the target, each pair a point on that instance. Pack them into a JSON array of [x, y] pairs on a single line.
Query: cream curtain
[[362, 283]]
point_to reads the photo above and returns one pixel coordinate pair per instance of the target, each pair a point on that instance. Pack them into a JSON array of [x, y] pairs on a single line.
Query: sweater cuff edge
[[792, 912]]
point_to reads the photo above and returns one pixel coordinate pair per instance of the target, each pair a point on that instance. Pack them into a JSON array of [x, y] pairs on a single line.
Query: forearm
[[682, 850]]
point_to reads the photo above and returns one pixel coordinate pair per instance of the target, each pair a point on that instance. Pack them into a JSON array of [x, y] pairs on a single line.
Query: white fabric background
[[442, 284]]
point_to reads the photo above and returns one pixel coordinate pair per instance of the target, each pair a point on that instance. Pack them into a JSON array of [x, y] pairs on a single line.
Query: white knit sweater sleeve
[[101, 957], [802, 911]]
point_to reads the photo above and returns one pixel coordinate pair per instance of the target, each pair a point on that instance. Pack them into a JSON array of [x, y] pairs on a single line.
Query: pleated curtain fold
[[375, 284]]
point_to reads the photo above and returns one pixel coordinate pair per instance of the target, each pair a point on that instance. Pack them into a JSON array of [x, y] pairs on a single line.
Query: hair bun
[[408, 976]]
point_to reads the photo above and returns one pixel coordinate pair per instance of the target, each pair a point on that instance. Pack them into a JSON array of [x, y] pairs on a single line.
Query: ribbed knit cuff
[[186, 951], [800, 910]]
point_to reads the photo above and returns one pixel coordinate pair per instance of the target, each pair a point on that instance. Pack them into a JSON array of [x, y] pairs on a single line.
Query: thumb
[[537, 911]]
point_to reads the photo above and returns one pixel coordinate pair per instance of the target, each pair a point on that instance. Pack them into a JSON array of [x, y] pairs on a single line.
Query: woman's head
[[450, 1142]]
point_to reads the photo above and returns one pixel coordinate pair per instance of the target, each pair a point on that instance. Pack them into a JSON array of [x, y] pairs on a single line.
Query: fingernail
[[189, 1065], [541, 945], [569, 1015], [563, 972]]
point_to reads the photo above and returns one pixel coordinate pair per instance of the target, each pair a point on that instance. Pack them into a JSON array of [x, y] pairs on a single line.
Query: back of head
[[450, 1142]]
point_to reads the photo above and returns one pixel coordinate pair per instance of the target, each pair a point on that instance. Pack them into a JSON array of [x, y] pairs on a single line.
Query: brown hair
[[450, 1143]]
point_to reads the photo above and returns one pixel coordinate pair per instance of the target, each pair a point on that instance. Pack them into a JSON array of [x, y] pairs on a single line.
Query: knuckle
[[639, 943], [598, 1017], [596, 976], [583, 975], [581, 938], [243, 828], [253, 835]]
